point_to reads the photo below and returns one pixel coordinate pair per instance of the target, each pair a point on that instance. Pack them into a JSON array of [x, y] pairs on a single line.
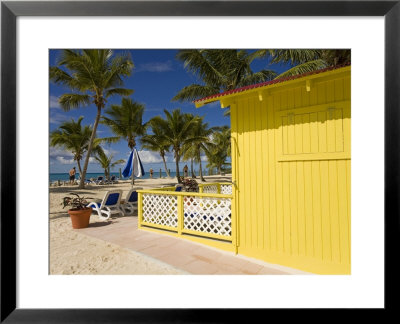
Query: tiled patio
[[191, 257]]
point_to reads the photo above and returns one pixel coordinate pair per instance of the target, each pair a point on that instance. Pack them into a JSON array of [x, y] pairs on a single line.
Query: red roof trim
[[258, 85]]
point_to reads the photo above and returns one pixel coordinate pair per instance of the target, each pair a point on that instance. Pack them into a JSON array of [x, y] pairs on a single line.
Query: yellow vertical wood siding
[[291, 166]]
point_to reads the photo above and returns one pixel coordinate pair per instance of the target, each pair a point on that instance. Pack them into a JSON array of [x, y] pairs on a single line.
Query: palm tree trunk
[[165, 166], [177, 168], [89, 151], [201, 171], [219, 170], [191, 169], [79, 168]]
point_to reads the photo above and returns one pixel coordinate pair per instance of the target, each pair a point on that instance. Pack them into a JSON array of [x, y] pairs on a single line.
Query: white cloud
[[110, 151], [204, 158], [54, 152], [57, 118], [60, 156], [155, 67], [149, 157], [63, 160], [54, 102]]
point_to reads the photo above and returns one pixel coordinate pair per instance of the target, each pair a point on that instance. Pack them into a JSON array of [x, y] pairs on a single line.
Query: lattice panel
[[208, 215], [210, 189], [160, 209], [226, 189]]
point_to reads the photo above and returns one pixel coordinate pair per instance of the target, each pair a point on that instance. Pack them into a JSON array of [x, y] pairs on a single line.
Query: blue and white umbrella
[[133, 165]]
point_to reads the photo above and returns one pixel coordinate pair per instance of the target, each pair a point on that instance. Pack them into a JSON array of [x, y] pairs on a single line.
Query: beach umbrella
[[133, 166]]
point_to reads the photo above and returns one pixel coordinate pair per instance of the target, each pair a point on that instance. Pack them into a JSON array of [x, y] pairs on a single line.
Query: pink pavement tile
[[270, 271], [228, 269], [200, 267], [155, 251], [176, 260], [233, 261], [251, 268]]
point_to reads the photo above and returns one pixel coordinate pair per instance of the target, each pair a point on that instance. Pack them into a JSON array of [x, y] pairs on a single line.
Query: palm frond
[[295, 56], [194, 92], [70, 101], [118, 91], [303, 68]]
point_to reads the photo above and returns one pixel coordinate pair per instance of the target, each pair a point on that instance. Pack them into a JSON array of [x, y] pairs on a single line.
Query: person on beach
[[72, 173], [151, 173], [185, 171]]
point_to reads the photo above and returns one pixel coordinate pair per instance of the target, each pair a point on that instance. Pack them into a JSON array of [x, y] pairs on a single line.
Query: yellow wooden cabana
[[291, 170]]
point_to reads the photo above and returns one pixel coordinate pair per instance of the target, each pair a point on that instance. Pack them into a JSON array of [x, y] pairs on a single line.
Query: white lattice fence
[[160, 209], [226, 189], [208, 215], [210, 189]]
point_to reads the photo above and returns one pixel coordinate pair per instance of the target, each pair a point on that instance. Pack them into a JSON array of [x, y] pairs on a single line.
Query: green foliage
[[176, 132], [126, 120], [72, 137], [219, 149], [105, 161], [194, 150], [306, 60], [219, 70], [156, 142], [93, 76], [75, 202]]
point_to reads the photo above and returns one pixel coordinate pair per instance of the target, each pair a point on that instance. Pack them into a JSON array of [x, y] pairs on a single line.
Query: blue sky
[[156, 78]]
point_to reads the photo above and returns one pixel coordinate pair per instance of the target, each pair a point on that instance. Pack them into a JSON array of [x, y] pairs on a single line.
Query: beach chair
[[110, 205], [178, 187], [130, 203], [113, 179], [100, 180], [87, 182]]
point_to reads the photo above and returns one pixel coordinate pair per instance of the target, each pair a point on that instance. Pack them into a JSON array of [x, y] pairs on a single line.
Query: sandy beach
[[72, 252]]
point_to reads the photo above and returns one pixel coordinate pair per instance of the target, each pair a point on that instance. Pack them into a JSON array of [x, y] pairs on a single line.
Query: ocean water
[[65, 176]]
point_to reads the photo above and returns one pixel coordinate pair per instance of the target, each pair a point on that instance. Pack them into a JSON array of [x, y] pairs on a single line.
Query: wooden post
[[160, 173], [180, 214], [140, 209]]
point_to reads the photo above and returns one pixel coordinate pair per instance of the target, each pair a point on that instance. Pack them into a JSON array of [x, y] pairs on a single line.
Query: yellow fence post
[[180, 214], [140, 209], [218, 188]]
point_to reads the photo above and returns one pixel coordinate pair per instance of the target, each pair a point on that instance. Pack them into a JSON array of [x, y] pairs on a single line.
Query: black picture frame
[[9, 13]]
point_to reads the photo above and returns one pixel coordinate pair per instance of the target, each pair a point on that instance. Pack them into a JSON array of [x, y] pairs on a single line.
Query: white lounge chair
[[113, 179], [110, 205], [130, 203], [100, 180]]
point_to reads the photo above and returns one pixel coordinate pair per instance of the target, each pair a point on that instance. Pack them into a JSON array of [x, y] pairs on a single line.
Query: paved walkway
[[191, 257]]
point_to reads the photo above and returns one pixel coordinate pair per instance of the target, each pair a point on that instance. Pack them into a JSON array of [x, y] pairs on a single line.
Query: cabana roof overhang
[[224, 97]]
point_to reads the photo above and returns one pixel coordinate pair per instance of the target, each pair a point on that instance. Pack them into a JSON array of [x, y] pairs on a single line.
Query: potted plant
[[79, 213]]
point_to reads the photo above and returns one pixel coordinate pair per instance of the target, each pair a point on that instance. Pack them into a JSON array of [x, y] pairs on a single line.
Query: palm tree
[[176, 132], [219, 149], [190, 155], [305, 60], [194, 150], [106, 161], [126, 122], [72, 137], [93, 76], [219, 70], [156, 142]]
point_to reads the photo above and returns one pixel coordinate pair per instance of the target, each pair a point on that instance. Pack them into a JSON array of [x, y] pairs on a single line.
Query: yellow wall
[[291, 165]]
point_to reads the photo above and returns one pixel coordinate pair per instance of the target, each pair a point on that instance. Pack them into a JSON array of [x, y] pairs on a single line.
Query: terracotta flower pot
[[80, 217]]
